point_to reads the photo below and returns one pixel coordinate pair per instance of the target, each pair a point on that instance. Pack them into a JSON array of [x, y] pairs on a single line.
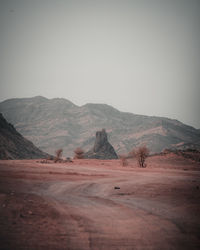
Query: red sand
[[76, 206]]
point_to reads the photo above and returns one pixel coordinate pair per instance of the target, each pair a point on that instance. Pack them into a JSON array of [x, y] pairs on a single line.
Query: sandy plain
[[98, 204]]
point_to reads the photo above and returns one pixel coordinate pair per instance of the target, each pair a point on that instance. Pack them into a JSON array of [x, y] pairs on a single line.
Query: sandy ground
[[91, 204]]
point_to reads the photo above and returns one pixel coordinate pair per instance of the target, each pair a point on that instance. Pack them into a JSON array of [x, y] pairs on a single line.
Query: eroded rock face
[[14, 146], [101, 140], [102, 148]]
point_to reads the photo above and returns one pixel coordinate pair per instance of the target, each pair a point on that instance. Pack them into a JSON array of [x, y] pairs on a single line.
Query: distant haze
[[140, 56]]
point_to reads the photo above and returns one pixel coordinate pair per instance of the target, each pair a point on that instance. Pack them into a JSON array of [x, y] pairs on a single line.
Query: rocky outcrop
[[102, 148], [14, 146]]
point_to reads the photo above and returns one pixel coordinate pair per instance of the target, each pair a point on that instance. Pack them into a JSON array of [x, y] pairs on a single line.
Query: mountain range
[[58, 123]]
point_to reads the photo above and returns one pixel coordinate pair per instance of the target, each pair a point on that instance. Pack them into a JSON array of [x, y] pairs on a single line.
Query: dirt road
[[92, 204]]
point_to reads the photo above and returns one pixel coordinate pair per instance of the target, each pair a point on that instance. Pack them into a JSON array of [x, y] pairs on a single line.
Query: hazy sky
[[138, 56]]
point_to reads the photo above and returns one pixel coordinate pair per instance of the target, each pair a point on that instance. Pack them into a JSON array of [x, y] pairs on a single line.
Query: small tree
[[141, 154], [58, 155], [79, 153]]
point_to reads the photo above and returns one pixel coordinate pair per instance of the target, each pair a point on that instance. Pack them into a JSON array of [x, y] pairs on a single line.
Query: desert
[[99, 125], [100, 204]]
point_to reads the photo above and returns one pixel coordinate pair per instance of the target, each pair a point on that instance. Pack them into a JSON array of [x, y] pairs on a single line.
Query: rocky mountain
[[14, 146], [58, 123], [102, 148]]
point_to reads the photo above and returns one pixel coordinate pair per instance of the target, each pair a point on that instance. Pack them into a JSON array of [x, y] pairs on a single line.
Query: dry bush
[[79, 153], [141, 154], [58, 155], [123, 159]]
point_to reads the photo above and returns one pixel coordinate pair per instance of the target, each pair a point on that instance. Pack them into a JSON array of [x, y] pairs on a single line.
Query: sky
[[139, 56]]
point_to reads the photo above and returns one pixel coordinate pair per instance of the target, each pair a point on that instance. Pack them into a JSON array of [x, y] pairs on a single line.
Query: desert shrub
[[141, 154], [79, 153], [123, 159], [58, 155]]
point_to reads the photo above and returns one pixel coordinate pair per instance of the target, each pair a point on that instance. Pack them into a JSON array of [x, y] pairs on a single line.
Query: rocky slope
[[14, 146], [58, 123]]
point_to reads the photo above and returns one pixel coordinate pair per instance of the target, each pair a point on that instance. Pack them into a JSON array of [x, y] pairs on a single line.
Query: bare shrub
[[58, 155], [141, 154], [123, 159], [79, 153]]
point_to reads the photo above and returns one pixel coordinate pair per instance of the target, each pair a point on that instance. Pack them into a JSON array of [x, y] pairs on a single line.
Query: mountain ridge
[[57, 122], [14, 146]]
